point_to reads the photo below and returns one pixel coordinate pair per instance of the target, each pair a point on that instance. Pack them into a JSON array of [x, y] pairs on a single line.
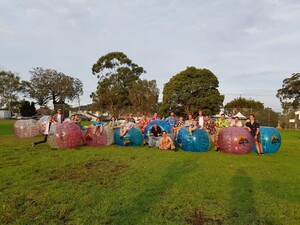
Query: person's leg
[[101, 130], [40, 142], [150, 141]]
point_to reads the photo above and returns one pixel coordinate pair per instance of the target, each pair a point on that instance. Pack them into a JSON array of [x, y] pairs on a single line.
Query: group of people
[[158, 137]]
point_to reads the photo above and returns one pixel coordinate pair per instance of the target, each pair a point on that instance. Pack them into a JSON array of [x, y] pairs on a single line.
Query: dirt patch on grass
[[103, 171], [198, 218]]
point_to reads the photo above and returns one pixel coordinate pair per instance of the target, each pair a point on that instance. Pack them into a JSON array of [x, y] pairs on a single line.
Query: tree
[[266, 116], [144, 96], [27, 108], [290, 91], [191, 90], [48, 84], [243, 105], [10, 87], [117, 74]]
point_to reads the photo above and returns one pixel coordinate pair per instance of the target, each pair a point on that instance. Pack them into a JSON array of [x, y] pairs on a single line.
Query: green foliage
[[48, 84], [120, 86], [191, 90], [243, 105], [133, 185], [290, 91], [10, 88], [27, 108], [144, 96]]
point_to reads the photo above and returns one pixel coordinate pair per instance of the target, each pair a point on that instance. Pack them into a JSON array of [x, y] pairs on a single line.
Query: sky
[[250, 45]]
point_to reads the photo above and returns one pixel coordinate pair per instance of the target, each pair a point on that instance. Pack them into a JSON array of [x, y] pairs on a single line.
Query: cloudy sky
[[250, 45]]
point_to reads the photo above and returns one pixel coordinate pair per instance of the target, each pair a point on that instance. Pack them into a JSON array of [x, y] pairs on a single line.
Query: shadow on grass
[[242, 207], [144, 203]]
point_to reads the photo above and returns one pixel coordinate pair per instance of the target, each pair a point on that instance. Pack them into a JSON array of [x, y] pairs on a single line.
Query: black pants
[[43, 141]]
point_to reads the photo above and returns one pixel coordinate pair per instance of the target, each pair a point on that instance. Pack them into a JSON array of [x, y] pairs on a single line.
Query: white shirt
[[234, 124], [201, 121], [58, 118]]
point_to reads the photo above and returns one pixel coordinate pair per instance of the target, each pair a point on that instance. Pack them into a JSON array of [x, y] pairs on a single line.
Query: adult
[[194, 126], [171, 120], [125, 127], [236, 122], [98, 126], [222, 122], [113, 123], [154, 135], [155, 117], [59, 117], [180, 124], [200, 119], [131, 119], [47, 124], [166, 142], [189, 121], [143, 123], [254, 129], [211, 129], [229, 119]]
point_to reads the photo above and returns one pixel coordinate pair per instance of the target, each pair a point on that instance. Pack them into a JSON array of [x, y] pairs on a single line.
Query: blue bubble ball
[[133, 137], [162, 124], [270, 139], [197, 142]]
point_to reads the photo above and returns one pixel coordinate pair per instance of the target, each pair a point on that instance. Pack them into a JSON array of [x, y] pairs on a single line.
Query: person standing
[[131, 119], [59, 117], [47, 126], [254, 129], [236, 122], [171, 120], [155, 117], [200, 119], [211, 129]]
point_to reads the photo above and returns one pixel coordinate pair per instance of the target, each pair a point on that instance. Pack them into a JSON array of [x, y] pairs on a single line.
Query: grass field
[[137, 185]]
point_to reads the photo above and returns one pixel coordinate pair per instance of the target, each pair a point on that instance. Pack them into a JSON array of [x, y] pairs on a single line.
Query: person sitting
[[154, 135], [143, 123], [113, 123], [180, 124], [98, 126], [190, 120], [166, 142], [125, 127], [236, 122], [194, 127]]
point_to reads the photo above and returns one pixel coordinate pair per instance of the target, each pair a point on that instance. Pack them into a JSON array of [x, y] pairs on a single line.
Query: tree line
[[120, 87]]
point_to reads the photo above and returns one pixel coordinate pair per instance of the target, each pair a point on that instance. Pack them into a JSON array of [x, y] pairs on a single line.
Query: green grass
[[137, 185]]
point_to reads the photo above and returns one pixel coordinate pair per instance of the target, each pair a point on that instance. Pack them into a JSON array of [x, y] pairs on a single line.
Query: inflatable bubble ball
[[133, 137], [42, 124], [162, 124], [198, 141], [66, 135], [26, 128], [95, 140], [236, 140], [270, 139], [110, 135]]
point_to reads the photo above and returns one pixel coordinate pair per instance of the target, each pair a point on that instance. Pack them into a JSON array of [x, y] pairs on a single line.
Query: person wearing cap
[[59, 117], [236, 122]]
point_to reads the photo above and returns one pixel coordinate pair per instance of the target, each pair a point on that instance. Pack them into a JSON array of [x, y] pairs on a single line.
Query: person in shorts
[[254, 129]]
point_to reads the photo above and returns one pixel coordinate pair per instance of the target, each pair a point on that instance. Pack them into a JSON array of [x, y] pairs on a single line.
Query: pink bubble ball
[[26, 128]]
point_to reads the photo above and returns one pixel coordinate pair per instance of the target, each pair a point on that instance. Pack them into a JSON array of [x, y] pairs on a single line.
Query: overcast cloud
[[250, 45]]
